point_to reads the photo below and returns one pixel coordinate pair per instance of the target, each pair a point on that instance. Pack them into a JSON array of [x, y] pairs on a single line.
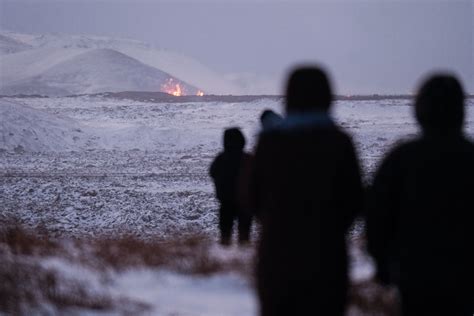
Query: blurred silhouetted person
[[307, 191], [420, 223], [269, 119], [226, 172]]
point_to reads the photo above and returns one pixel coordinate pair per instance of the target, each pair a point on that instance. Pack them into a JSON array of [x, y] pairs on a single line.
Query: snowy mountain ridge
[[27, 62], [95, 70]]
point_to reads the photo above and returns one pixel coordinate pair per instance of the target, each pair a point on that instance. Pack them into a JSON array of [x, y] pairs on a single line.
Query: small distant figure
[[269, 120], [306, 190], [226, 172], [420, 217]]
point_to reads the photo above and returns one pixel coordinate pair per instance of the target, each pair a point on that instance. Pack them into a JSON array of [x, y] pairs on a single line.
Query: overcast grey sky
[[375, 46]]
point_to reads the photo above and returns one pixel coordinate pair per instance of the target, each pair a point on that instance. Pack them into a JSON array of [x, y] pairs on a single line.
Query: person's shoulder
[[219, 156], [407, 145], [342, 136], [469, 143], [468, 146], [403, 149], [272, 132], [216, 165], [270, 136]]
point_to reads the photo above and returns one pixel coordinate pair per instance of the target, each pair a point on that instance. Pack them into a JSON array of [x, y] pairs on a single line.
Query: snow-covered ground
[[98, 166], [93, 166]]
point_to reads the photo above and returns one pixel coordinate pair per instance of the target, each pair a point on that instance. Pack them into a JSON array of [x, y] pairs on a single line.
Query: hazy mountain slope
[[30, 63], [183, 67], [95, 70], [50, 50]]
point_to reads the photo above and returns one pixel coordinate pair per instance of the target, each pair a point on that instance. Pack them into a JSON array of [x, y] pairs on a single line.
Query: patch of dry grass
[[184, 254], [27, 285]]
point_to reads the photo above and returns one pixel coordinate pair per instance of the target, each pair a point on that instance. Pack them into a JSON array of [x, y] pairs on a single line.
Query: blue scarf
[[306, 120]]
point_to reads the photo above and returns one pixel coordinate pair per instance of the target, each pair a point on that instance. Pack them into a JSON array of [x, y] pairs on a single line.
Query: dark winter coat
[[244, 185], [307, 190], [420, 218], [225, 171]]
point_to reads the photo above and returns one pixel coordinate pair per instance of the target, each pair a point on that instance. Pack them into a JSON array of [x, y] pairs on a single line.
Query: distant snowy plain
[[93, 166], [90, 165]]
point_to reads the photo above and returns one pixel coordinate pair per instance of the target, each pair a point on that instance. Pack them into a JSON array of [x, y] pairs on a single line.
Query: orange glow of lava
[[177, 92], [172, 88], [200, 93]]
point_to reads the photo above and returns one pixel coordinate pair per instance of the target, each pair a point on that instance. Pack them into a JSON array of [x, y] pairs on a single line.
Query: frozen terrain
[[93, 166]]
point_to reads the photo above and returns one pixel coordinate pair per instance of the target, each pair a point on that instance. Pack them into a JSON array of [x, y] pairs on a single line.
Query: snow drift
[[23, 128], [9, 45]]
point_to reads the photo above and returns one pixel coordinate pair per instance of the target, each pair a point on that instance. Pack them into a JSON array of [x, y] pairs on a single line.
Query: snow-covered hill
[[30, 63], [96, 70]]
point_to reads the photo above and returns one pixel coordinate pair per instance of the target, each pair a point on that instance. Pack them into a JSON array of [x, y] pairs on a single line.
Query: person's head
[[308, 90], [234, 140], [439, 105], [270, 119]]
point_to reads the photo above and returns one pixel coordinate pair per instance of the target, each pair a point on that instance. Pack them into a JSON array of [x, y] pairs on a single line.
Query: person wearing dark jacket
[[226, 172], [306, 189], [269, 119], [420, 217]]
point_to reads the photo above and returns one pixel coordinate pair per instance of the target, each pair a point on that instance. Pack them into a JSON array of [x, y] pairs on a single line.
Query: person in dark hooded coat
[[420, 218], [269, 119], [226, 171], [306, 191]]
